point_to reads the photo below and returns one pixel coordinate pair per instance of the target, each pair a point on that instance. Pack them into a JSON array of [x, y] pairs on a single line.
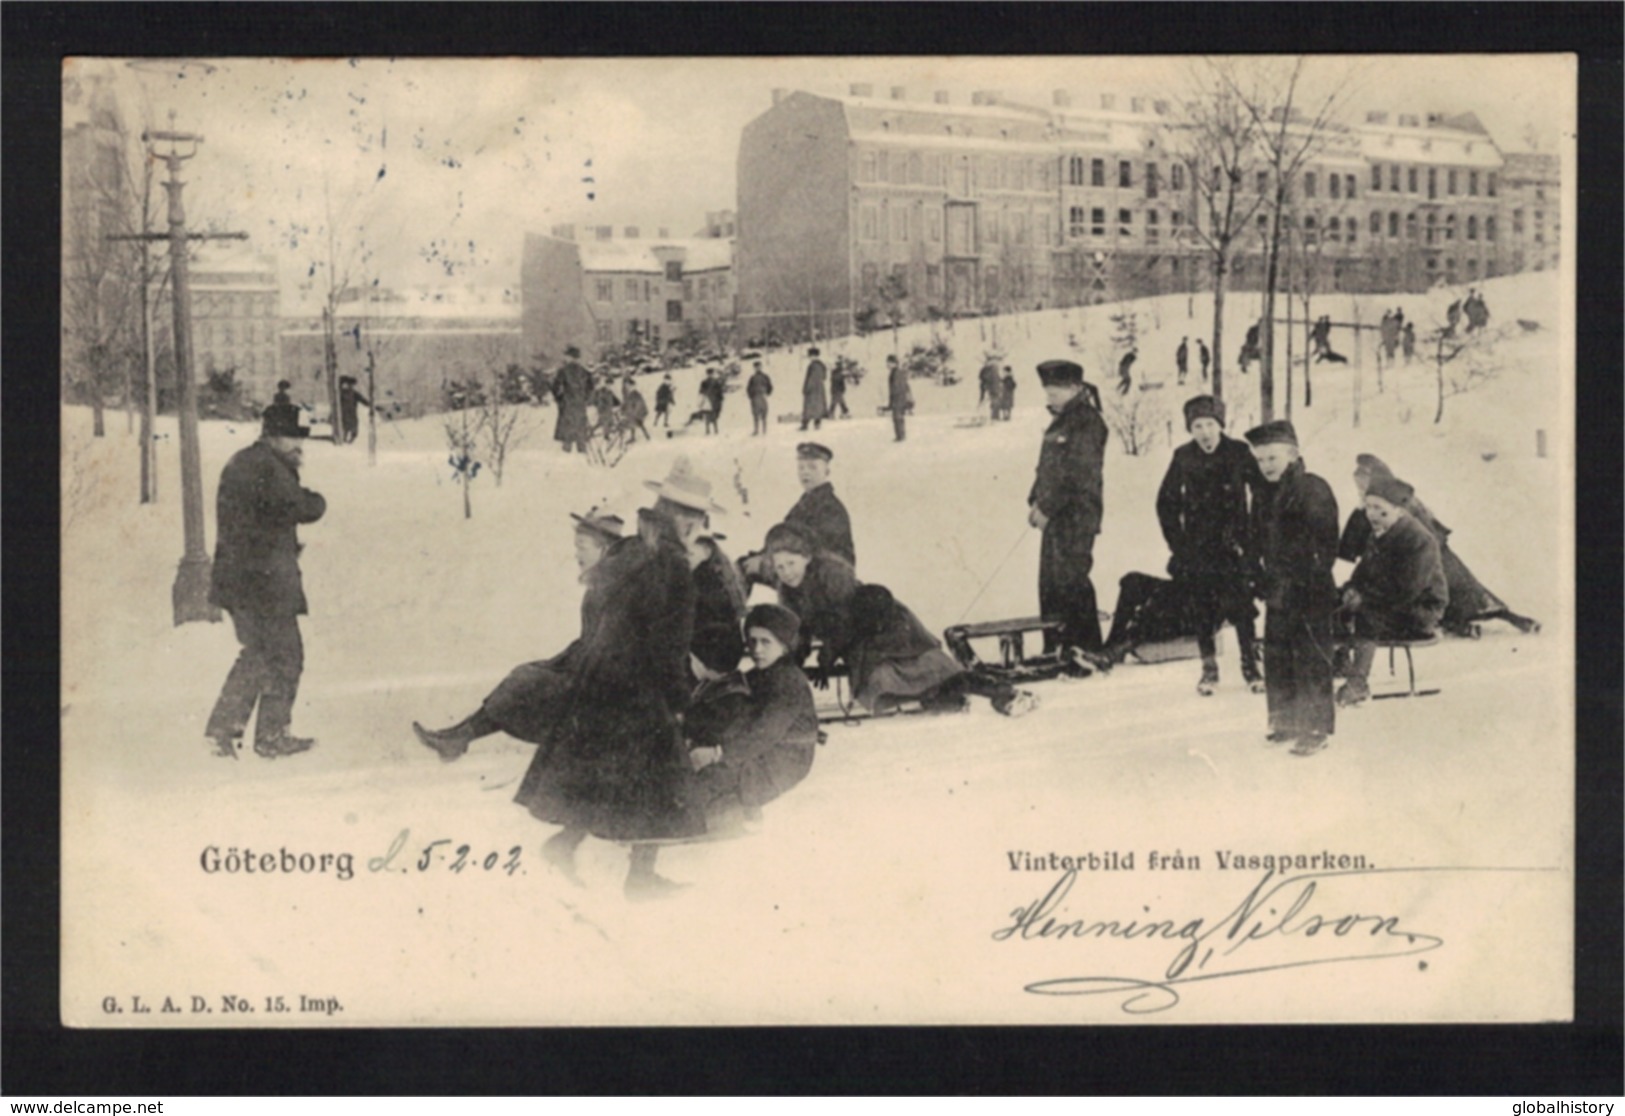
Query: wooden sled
[[1014, 664]]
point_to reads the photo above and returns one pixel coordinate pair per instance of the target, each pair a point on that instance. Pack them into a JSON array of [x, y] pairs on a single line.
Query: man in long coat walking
[[572, 388], [759, 387], [256, 578], [901, 396], [813, 403], [1066, 504], [1297, 533]]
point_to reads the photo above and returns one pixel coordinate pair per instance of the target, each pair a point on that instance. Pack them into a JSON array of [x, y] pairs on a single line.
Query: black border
[[42, 1058]]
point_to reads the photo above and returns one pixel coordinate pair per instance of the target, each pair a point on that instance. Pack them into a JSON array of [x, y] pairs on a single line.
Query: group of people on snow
[[996, 390], [1182, 358]]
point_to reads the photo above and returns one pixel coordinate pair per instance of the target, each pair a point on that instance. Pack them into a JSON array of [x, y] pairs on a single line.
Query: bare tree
[[505, 415], [1216, 139], [1271, 91]]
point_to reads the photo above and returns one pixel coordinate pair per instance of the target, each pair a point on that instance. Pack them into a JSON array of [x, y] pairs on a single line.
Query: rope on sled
[[1021, 538]]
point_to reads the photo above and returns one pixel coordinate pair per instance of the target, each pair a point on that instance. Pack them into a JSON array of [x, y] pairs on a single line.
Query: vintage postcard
[[817, 541]]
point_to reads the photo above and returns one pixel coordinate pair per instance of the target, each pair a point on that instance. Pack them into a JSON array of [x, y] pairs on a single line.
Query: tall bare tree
[[1216, 138]]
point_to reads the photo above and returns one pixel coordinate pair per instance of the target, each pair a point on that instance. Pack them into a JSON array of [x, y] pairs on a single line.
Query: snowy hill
[[872, 891]]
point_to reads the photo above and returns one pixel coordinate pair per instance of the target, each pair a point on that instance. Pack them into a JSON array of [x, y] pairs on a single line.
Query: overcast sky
[[434, 169]]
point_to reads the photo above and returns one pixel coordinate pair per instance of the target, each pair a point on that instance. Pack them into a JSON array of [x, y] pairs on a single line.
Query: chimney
[[862, 89], [899, 93], [780, 94], [941, 97], [1063, 99]]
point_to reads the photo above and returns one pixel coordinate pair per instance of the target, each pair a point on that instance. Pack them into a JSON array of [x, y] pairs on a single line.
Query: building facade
[[854, 208], [597, 290], [236, 319]]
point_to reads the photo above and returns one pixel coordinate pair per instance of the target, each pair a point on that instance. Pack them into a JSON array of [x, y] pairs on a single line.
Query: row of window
[[1125, 175], [1017, 281], [227, 333], [1433, 225], [964, 173], [1411, 176], [902, 223], [213, 304], [642, 290], [1096, 224], [605, 327]]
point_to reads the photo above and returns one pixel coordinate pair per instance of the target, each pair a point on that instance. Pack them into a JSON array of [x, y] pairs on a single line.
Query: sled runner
[[1406, 646]]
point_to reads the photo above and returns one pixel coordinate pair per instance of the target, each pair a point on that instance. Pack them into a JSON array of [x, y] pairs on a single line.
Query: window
[[1376, 223], [1125, 174], [882, 166], [604, 337], [1412, 179], [871, 279], [1018, 175], [631, 290], [899, 168], [1097, 222], [674, 310], [1489, 184], [990, 226], [1393, 178], [688, 290], [1152, 225], [1018, 227], [1309, 227], [933, 280], [1489, 228], [1450, 183], [1125, 222], [1074, 223], [674, 270], [252, 333], [916, 171], [1472, 269], [1263, 224], [866, 167], [1433, 228], [1353, 228], [899, 223], [1176, 221], [1450, 227], [934, 223], [606, 290], [1376, 176], [1472, 184], [1334, 186], [1393, 225], [1309, 185], [1176, 177], [1410, 226], [1348, 186], [1074, 171], [1151, 180], [869, 222], [1433, 182], [1517, 222], [1472, 228], [1263, 182], [1097, 172], [1334, 230]]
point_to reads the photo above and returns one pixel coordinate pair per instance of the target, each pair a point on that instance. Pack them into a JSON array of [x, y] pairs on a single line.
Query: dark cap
[[571, 351], [784, 624], [813, 351], [1390, 488], [600, 524], [1372, 465], [1273, 433], [812, 451], [787, 536], [281, 420], [1060, 373], [283, 385], [1203, 406], [719, 646]]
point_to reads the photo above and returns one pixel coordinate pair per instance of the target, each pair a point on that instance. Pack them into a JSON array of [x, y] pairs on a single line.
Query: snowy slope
[[871, 891]]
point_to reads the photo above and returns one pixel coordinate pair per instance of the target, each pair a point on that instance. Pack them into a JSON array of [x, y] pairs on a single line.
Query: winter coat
[[719, 598], [618, 768], [572, 387], [1401, 579], [1296, 529], [900, 395], [1068, 486], [769, 742], [634, 406], [257, 512], [760, 386], [348, 398], [821, 514], [813, 403], [1007, 393], [529, 703], [837, 381], [1204, 510], [665, 396], [989, 377], [1182, 356], [1467, 598], [713, 390]]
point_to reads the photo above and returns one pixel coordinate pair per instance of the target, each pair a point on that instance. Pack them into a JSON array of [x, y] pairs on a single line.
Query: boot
[[1249, 660], [225, 744], [283, 745], [1353, 692], [1210, 677], [452, 743]]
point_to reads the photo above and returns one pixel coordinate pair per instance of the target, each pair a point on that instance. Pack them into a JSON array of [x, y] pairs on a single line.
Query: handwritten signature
[[1278, 907]]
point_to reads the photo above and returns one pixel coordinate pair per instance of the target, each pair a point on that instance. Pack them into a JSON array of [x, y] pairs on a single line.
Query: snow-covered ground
[[873, 891]]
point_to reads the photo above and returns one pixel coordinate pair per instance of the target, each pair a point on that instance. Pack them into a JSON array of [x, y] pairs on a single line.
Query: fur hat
[[1203, 406], [1273, 433], [1390, 488], [281, 420], [812, 451], [719, 646], [571, 351], [813, 351], [787, 536], [1060, 373], [784, 624], [1372, 465]]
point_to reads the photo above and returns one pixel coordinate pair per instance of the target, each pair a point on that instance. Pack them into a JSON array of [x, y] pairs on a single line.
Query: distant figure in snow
[[1007, 394], [1408, 341], [281, 397], [634, 409], [900, 396], [1203, 356], [837, 390], [1125, 371], [814, 406], [1182, 358], [665, 397], [572, 387], [1452, 318], [348, 398], [988, 381], [757, 390], [1478, 312]]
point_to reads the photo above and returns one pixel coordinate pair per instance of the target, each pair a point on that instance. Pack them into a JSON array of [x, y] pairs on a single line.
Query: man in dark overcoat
[[348, 398], [1066, 504], [988, 386], [572, 388], [757, 390], [813, 403], [1182, 358], [259, 507], [900, 397], [1297, 539], [837, 390], [1204, 508]]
